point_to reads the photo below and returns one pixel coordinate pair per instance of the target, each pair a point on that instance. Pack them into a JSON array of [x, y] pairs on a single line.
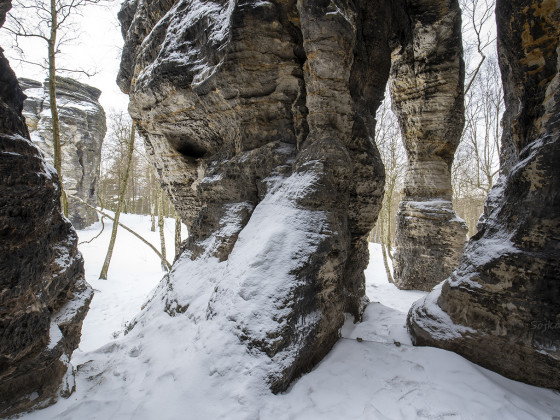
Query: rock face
[[259, 117], [427, 78], [501, 307], [82, 127], [260, 127], [43, 293]]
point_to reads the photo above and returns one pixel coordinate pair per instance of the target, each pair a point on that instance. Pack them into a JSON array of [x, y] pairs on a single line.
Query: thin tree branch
[[98, 235]]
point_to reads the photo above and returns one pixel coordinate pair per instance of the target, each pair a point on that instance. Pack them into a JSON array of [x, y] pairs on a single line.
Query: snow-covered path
[[381, 377], [133, 273]]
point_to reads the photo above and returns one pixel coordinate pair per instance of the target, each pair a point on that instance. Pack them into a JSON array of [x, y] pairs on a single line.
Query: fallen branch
[[98, 235], [168, 266]]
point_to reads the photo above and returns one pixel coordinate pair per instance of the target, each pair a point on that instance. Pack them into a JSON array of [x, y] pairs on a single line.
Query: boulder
[[43, 294], [82, 128], [501, 307]]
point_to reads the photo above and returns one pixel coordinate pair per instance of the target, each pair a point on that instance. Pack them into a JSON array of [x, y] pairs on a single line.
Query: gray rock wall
[[427, 78], [82, 128], [501, 307], [43, 294]]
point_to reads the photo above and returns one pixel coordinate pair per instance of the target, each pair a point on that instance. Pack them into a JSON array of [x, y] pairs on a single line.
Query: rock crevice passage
[[83, 128]]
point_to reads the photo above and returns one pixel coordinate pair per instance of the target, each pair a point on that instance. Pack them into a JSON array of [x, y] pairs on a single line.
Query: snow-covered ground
[[381, 377], [134, 271]]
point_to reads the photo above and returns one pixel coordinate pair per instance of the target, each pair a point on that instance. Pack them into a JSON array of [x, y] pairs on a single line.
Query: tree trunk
[[161, 226], [383, 251], [57, 150], [177, 234], [122, 192], [152, 201]]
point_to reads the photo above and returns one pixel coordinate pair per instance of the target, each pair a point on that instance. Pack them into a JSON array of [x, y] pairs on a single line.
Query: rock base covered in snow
[[259, 117], [43, 295], [427, 78], [429, 243], [82, 128], [501, 307], [260, 127]]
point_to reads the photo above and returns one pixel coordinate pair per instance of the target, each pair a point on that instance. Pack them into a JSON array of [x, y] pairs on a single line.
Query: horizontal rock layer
[[501, 307], [427, 78]]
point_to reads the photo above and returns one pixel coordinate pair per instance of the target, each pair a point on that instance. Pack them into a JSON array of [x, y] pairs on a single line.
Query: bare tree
[[153, 203], [389, 143], [48, 21], [177, 233], [478, 33], [122, 192], [476, 163]]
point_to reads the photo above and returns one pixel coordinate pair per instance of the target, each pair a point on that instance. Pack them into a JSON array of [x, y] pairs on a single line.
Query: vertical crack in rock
[[501, 307], [83, 128], [259, 117], [43, 294], [427, 77]]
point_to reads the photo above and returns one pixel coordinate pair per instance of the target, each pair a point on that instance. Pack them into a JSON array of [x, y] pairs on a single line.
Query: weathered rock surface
[[501, 307], [427, 77], [43, 293], [82, 128], [259, 118]]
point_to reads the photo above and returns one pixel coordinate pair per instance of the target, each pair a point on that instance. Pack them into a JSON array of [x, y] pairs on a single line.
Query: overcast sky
[[98, 46]]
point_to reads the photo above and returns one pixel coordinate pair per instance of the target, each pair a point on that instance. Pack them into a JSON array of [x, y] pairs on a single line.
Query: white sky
[[98, 46]]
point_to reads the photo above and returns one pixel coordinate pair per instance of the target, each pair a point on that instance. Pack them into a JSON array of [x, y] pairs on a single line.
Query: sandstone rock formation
[[501, 307], [427, 77], [82, 127], [259, 117], [43, 293]]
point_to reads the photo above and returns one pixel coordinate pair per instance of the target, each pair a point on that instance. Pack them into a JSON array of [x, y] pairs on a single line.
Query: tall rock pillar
[[259, 118], [501, 307], [83, 128], [427, 77]]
